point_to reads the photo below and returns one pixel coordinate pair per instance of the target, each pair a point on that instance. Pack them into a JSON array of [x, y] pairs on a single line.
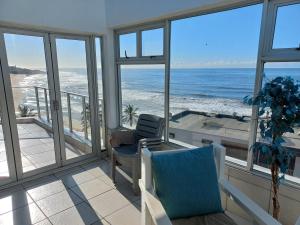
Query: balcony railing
[[42, 102]]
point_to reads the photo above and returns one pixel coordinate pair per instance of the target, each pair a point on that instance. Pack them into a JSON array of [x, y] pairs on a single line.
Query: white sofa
[[154, 213]]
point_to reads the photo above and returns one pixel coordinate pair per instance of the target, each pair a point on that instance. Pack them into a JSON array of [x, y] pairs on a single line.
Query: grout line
[[117, 210]]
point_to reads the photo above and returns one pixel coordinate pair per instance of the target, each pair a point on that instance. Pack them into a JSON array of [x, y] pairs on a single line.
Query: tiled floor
[[82, 195], [32, 137]]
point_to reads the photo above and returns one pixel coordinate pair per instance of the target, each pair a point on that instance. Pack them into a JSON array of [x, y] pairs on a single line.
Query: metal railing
[[84, 114]]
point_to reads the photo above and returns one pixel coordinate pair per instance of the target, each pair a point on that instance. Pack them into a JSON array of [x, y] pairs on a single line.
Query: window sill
[[241, 164]]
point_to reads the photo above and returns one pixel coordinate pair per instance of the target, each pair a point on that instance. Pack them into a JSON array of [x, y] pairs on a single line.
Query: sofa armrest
[[254, 210], [154, 207], [122, 136]]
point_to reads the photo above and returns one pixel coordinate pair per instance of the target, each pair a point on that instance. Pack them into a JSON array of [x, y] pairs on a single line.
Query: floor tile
[[76, 178], [44, 222], [27, 215], [58, 202], [126, 190], [38, 182], [108, 202], [98, 169], [127, 215], [14, 200], [81, 214], [91, 189], [101, 222], [119, 179], [46, 190]]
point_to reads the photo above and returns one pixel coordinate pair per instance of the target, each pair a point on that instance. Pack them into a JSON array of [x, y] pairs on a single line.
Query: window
[[212, 70], [128, 45], [152, 42], [142, 88], [287, 32], [271, 71]]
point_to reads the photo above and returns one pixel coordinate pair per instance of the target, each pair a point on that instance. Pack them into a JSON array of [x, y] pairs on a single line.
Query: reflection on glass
[[152, 42], [287, 32], [142, 92], [212, 71], [28, 75], [128, 45], [273, 70], [74, 96]]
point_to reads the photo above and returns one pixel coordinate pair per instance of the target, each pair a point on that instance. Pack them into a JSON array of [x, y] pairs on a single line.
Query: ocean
[[205, 90]]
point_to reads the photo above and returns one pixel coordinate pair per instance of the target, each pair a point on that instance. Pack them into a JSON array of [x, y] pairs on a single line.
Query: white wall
[[121, 13], [80, 16], [258, 189]]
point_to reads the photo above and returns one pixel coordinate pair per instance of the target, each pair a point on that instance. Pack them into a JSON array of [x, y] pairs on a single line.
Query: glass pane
[[142, 92], [287, 32], [152, 42], [73, 78], [273, 70], [100, 90], [4, 171], [210, 76], [128, 45], [28, 74]]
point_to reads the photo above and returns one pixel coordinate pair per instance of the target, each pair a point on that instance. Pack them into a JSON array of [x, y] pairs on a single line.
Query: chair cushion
[[126, 149], [210, 219], [186, 182]]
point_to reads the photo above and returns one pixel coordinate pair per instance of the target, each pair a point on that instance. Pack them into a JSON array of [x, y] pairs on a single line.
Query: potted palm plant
[[279, 105], [130, 114]]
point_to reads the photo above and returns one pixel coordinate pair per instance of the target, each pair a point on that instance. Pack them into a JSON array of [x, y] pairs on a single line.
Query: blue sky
[[221, 40]]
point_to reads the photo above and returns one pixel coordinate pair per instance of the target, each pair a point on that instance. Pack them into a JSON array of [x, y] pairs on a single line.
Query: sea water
[[204, 90]]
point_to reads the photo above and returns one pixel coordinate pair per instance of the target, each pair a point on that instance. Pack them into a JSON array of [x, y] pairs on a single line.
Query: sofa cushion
[[186, 182]]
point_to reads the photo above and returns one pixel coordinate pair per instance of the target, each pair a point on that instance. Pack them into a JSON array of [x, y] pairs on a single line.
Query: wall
[[77, 16], [258, 189], [121, 13]]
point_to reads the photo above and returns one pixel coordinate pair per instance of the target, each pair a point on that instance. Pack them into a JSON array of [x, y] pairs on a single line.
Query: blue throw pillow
[[186, 182]]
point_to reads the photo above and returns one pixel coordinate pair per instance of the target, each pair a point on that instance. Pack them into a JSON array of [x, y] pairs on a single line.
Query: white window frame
[[139, 59], [267, 54], [271, 54]]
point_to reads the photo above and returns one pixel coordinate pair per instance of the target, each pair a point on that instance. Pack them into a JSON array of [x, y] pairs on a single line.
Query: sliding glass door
[[7, 163], [48, 102], [30, 83], [74, 90]]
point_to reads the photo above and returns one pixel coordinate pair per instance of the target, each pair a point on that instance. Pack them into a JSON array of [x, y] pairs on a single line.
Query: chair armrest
[[254, 210], [149, 142], [121, 136], [156, 210]]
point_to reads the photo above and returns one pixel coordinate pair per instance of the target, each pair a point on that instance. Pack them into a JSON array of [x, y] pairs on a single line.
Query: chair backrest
[[219, 153], [149, 126]]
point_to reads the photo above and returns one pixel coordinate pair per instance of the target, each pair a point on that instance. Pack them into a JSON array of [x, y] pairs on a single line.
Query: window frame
[[145, 60], [265, 54], [139, 58], [277, 54]]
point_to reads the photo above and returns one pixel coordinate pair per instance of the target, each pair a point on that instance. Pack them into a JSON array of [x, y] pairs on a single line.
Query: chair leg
[[135, 176], [113, 167]]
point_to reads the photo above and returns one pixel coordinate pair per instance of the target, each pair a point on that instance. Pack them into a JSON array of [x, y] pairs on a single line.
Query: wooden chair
[[126, 144], [154, 213]]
